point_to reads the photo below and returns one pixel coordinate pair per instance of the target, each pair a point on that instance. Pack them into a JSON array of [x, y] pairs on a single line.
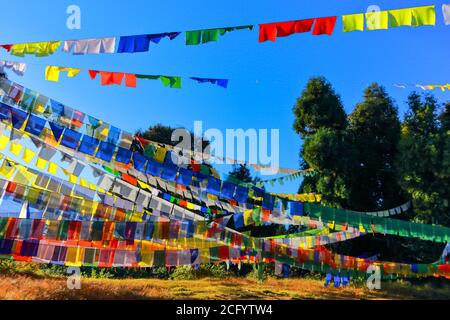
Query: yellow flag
[[28, 155], [248, 217], [353, 22], [6, 170], [377, 20], [3, 142], [73, 178], [160, 154], [52, 168], [104, 132], [39, 108], [400, 17], [361, 228], [84, 183], [15, 148], [71, 72], [41, 163], [143, 185], [309, 242], [190, 206], [74, 256], [52, 73]]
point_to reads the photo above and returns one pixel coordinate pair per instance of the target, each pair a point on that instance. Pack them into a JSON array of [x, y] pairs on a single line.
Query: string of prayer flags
[[90, 46], [434, 86], [60, 115], [252, 216], [446, 13], [376, 20], [39, 49], [71, 139], [220, 82], [270, 31], [417, 16], [390, 212], [381, 225], [442, 87], [18, 68], [172, 81], [141, 43], [52, 72], [108, 78], [196, 37]]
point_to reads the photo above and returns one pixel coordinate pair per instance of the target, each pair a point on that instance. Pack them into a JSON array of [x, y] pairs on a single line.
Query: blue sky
[[265, 78]]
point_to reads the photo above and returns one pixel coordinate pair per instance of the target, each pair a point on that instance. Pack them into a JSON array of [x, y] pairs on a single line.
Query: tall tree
[[242, 173], [444, 117], [321, 121], [375, 130], [318, 106], [331, 155], [422, 161], [158, 133]]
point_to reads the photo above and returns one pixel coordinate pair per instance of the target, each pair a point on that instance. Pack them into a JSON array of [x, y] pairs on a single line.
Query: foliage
[[321, 122], [375, 130], [218, 271], [370, 161], [318, 106], [242, 173], [423, 161], [329, 153]]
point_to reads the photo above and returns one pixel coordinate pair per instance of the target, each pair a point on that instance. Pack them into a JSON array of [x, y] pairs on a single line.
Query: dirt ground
[[19, 287]]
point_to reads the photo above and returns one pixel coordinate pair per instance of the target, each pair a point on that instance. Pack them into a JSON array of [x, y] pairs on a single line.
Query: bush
[[7, 266], [218, 271], [96, 273]]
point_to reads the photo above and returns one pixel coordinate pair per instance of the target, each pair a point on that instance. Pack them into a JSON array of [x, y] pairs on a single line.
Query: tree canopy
[[369, 160]]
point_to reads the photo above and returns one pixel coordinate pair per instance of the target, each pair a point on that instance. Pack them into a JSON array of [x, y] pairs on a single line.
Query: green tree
[[331, 155], [321, 121], [422, 162], [241, 172], [375, 130], [444, 117], [318, 106], [158, 133]]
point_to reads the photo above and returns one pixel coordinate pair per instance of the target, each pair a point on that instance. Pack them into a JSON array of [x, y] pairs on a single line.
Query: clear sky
[[265, 78]]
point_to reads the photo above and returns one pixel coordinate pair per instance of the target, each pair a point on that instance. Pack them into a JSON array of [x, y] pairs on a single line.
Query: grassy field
[[45, 288]]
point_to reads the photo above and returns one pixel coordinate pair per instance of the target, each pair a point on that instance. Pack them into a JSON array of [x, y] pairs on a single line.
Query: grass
[[32, 287], [28, 281]]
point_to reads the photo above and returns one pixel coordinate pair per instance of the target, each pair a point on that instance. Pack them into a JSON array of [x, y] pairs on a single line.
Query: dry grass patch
[[31, 288]]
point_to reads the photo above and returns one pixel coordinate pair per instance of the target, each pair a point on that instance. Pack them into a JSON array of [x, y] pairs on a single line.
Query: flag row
[[377, 20]]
